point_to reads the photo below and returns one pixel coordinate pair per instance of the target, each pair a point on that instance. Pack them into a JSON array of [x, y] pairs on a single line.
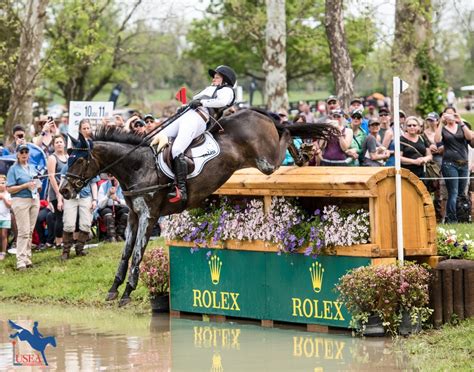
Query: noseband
[[80, 180]]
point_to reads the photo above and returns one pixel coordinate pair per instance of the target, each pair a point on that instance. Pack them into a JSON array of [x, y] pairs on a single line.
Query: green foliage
[[9, 46], [234, 33], [431, 84]]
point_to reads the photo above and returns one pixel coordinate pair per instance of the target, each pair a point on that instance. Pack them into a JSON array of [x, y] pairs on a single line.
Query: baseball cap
[[337, 112], [356, 100], [22, 147], [432, 116], [374, 121], [402, 113], [149, 116], [332, 98], [357, 112], [384, 109]]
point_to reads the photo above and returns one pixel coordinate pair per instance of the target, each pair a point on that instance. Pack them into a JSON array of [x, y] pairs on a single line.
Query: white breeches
[[185, 129]]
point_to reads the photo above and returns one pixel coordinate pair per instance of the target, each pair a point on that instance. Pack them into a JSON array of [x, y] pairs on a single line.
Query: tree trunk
[[275, 56], [20, 110], [341, 64], [412, 34]]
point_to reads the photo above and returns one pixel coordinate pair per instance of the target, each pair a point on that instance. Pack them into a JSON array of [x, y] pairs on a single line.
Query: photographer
[[136, 125], [112, 209], [455, 137], [48, 130]]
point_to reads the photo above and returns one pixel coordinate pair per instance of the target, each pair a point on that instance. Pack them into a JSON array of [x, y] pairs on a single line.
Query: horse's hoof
[[124, 301], [111, 296]]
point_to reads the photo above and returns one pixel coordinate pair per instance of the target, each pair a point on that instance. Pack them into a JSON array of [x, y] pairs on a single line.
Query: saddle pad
[[200, 154]]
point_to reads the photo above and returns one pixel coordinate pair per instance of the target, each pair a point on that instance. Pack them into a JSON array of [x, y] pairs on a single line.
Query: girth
[[187, 154]]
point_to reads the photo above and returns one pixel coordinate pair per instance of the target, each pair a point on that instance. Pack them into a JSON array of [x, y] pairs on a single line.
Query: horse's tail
[[309, 130]]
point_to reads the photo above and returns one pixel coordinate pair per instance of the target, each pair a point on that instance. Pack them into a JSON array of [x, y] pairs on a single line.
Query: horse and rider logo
[[36, 341]]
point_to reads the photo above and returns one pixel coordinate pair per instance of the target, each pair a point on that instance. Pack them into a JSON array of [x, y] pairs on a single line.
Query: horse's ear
[[85, 144], [75, 142]]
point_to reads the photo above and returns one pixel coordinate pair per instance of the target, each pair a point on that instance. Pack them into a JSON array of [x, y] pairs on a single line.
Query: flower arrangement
[[154, 271], [454, 245], [285, 224], [387, 291]]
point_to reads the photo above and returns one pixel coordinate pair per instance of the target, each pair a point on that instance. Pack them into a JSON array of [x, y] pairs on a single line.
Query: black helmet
[[226, 72]]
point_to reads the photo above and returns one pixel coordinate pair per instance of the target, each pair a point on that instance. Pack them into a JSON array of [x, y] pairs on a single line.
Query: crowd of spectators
[[366, 139]]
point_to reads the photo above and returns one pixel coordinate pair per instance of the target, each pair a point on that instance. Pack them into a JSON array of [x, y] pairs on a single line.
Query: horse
[[248, 138], [37, 342]]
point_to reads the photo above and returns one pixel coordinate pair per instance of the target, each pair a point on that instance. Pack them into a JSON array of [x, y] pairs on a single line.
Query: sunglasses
[[149, 121], [24, 152], [19, 136], [356, 117], [383, 114], [138, 125], [374, 125], [331, 102], [336, 116], [411, 125]]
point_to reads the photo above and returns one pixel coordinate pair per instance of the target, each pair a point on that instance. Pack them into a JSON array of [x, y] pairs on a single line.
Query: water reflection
[[108, 339]]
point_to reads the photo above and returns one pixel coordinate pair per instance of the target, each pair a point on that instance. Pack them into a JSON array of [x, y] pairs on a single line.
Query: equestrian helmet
[[227, 73]]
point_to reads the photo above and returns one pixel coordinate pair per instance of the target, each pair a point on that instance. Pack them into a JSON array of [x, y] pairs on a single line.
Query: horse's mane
[[110, 133]]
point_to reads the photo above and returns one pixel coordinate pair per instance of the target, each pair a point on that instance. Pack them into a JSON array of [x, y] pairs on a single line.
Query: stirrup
[[176, 198]]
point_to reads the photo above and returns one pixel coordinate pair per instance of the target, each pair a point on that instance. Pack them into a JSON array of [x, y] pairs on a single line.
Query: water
[[90, 339]]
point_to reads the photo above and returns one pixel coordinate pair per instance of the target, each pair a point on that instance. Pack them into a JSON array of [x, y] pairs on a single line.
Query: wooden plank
[[431, 261], [295, 192], [458, 293], [447, 286], [267, 203], [383, 261], [360, 250], [175, 314], [468, 293], [317, 328], [267, 323], [217, 318], [429, 251], [436, 298]]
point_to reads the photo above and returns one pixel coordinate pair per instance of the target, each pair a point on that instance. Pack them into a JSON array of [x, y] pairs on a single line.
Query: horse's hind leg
[[145, 228], [130, 238]]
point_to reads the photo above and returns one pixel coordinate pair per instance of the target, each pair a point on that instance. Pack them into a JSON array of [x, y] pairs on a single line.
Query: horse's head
[[81, 168]]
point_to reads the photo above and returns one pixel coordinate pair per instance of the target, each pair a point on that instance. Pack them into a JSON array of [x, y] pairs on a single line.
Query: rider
[[190, 125]]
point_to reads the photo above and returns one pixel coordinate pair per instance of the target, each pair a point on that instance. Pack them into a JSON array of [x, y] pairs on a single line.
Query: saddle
[[198, 141]]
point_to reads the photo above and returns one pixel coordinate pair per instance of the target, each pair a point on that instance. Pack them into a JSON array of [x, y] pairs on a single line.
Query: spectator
[[283, 116], [56, 162], [414, 152], [136, 125], [438, 187], [403, 118], [113, 209], [44, 140], [64, 124], [334, 150], [19, 138], [81, 207], [373, 153], [358, 138], [25, 203], [455, 136], [371, 109], [5, 216], [45, 225], [356, 104], [385, 118], [304, 109], [150, 123]]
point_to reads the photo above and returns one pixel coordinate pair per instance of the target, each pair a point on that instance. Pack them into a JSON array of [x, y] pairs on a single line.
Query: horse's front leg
[[130, 238], [145, 228]]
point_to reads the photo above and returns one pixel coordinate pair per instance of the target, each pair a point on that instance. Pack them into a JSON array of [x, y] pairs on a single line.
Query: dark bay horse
[[249, 138]]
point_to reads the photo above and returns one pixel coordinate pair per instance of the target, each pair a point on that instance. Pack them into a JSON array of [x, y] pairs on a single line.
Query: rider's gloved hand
[[195, 103]]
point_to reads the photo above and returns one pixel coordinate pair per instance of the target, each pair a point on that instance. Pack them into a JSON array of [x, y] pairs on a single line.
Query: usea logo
[[223, 300], [215, 266], [317, 273], [313, 307]]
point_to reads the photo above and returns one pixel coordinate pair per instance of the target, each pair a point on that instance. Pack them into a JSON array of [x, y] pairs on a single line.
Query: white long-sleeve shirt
[[224, 96]]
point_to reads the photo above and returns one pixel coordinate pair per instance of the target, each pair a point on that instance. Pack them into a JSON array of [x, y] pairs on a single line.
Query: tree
[[233, 32], [27, 68], [90, 45], [412, 44], [275, 56], [9, 47], [341, 64]]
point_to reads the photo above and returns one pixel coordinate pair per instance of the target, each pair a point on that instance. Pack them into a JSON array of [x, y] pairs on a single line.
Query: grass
[[450, 348], [460, 228], [78, 281]]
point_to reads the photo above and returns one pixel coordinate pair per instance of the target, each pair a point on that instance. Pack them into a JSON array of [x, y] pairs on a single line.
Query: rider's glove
[[195, 103]]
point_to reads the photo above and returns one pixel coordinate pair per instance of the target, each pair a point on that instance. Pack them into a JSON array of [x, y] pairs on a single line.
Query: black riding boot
[[110, 226], [180, 169], [121, 226]]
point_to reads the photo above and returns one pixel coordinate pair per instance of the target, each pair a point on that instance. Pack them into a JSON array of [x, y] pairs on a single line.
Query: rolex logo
[[317, 273], [215, 266]]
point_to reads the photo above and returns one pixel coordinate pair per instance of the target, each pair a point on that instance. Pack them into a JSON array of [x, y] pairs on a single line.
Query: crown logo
[[317, 273], [215, 266], [217, 363]]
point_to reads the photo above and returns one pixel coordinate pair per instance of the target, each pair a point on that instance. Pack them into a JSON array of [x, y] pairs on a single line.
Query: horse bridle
[[79, 181]]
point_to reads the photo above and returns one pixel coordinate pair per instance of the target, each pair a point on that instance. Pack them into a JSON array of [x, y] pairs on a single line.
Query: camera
[[138, 123]]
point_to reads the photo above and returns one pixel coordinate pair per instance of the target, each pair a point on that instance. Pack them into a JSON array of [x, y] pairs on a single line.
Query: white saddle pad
[[201, 155]]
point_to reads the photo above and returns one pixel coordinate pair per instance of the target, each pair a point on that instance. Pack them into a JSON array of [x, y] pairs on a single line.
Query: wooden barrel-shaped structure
[[375, 184]]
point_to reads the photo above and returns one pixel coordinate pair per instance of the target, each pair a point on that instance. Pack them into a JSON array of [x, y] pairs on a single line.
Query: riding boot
[[67, 244], [121, 226], [110, 226], [180, 169], [81, 241]]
